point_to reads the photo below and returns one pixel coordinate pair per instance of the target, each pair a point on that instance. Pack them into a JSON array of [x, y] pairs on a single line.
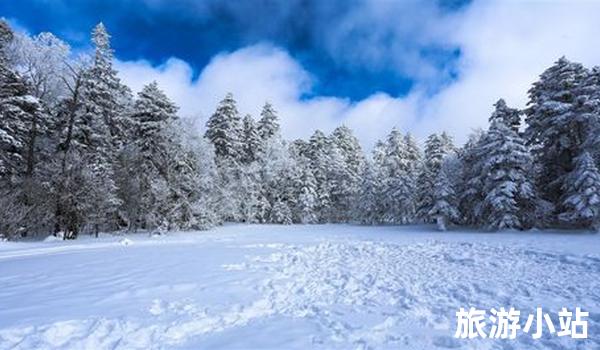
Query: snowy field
[[324, 286]]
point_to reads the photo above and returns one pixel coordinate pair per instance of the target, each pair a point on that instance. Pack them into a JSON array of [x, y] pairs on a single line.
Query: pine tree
[[307, 197], [224, 130], [378, 167], [93, 128], [153, 112], [22, 117], [509, 194], [368, 205], [277, 175], [23, 145], [509, 116], [553, 129], [318, 145], [252, 143], [100, 130], [354, 162], [281, 213], [192, 200], [71, 181], [230, 174], [338, 181], [424, 196], [268, 125], [447, 141], [470, 186], [582, 194], [588, 112], [147, 176], [414, 161], [107, 98], [444, 208], [299, 149], [413, 153], [400, 180], [436, 147], [351, 150]]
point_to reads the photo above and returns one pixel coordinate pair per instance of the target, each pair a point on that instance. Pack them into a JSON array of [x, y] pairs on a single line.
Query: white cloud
[[504, 47], [260, 73]]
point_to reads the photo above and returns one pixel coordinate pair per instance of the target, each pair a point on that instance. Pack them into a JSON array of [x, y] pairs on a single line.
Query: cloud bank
[[503, 46]]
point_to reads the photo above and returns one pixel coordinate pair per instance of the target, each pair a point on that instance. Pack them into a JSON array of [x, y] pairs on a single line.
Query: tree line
[[79, 153]]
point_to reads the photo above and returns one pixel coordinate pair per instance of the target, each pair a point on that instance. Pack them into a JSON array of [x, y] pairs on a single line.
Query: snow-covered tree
[[106, 97], [448, 147], [553, 129], [351, 150], [268, 124], [143, 174], [354, 162], [399, 174], [100, 130], [413, 153], [192, 201], [251, 142], [153, 112], [509, 193], [281, 213], [378, 154], [92, 127], [307, 194], [24, 132], [230, 173], [23, 118], [71, 176], [317, 143], [225, 131], [299, 148], [588, 112], [511, 117], [444, 209], [42, 61], [436, 148], [338, 184], [470, 187], [316, 152], [582, 194], [368, 206], [254, 205], [277, 175]]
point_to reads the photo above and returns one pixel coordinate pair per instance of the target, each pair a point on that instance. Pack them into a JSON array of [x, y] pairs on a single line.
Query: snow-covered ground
[[322, 286]]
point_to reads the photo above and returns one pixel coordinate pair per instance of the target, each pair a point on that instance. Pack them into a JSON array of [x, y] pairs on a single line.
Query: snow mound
[[125, 242], [52, 238]]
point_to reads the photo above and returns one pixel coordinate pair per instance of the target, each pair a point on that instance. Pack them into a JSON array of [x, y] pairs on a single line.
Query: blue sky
[[197, 30], [421, 66]]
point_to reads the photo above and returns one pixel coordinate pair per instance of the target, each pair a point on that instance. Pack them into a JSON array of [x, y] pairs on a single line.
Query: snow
[[125, 242], [270, 286]]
